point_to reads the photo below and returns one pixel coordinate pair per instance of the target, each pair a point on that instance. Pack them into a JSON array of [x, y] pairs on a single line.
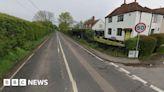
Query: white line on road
[[113, 64], [156, 88], [139, 79], [19, 69], [67, 67], [24, 64], [58, 50], [124, 70]]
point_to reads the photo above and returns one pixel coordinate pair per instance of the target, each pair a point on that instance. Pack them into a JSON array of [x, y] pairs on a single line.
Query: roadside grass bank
[[107, 49], [9, 61], [18, 37]]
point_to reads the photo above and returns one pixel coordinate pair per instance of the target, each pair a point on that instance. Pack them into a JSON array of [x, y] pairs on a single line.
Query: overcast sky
[[79, 9]]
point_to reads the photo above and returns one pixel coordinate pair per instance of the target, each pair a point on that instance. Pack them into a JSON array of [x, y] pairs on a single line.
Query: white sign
[[133, 54], [140, 27]]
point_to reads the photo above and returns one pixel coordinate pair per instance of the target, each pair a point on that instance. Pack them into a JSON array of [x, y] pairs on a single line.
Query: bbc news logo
[[24, 82]]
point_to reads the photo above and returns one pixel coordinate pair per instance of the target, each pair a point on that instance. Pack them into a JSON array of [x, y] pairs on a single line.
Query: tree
[[65, 21], [79, 25], [44, 16]]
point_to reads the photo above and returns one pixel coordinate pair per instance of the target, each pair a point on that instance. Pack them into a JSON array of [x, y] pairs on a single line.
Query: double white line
[[74, 86]]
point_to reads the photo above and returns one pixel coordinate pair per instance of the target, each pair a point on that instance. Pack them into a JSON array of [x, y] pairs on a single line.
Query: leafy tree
[[65, 21]]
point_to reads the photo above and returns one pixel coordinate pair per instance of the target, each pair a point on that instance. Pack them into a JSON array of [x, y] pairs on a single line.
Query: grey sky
[[80, 9]]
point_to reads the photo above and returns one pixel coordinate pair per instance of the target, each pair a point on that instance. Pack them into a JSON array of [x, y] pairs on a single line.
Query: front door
[[127, 33]]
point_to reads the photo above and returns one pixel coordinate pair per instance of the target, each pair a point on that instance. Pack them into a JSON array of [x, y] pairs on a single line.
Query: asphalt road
[[69, 68]]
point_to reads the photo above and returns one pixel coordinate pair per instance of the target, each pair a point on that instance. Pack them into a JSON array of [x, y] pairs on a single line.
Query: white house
[[120, 24], [96, 25]]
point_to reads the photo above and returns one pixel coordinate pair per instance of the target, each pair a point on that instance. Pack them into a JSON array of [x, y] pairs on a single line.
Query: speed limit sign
[[140, 27]]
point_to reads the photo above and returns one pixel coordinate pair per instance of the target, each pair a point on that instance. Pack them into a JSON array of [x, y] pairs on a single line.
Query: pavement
[[69, 67]]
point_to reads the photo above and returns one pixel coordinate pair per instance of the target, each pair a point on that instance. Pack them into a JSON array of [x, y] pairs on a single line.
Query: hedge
[[160, 39], [85, 34], [19, 33], [147, 45], [160, 50]]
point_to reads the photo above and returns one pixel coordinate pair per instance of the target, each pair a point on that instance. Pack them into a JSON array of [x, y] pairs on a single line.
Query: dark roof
[[131, 7], [91, 22], [159, 11]]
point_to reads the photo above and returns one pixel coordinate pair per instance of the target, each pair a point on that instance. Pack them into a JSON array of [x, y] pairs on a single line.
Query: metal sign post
[[139, 28]]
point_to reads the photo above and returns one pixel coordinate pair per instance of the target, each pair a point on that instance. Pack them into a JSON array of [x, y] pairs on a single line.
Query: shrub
[[147, 45], [160, 39], [18, 33], [160, 50], [85, 34]]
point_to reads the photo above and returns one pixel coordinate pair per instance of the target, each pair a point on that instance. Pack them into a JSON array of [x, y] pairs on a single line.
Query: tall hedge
[[147, 45], [19, 33], [86, 34], [160, 39]]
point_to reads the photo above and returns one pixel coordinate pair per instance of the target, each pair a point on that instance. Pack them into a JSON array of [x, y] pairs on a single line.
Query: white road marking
[[124, 70], [1, 88], [58, 50], [67, 67], [19, 69], [42, 44], [156, 88], [139, 79], [113, 64], [121, 69]]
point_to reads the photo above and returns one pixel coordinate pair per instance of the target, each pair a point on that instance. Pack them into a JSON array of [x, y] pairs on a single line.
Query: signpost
[[139, 28]]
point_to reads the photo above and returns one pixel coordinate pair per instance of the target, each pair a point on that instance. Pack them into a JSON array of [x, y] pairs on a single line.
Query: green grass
[[108, 42], [8, 62]]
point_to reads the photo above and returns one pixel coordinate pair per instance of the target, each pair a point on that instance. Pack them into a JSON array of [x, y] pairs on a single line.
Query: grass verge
[[9, 61], [109, 50]]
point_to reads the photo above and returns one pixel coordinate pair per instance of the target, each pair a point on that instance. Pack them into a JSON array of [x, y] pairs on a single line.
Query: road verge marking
[[67, 67], [139, 79], [124, 70], [12, 76], [121, 69], [113, 64], [156, 88]]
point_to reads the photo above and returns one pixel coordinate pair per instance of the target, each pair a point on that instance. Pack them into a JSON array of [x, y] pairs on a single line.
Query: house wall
[[162, 26], [99, 26], [130, 20]]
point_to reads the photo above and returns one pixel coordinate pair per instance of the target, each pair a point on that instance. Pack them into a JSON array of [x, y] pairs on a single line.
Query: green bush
[[160, 50], [18, 33], [160, 39], [147, 45], [85, 34]]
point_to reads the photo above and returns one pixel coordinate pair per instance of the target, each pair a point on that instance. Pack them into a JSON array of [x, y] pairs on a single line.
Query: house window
[[120, 18], [155, 18], [110, 19], [109, 31], [152, 31], [119, 32]]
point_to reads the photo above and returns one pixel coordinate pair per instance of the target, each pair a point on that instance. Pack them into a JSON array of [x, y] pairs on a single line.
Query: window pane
[[109, 31]]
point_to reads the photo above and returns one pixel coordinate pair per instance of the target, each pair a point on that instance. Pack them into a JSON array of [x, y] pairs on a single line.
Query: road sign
[[133, 54], [140, 27]]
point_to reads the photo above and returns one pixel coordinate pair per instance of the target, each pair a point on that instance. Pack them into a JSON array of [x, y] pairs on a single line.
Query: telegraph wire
[[21, 5], [34, 5]]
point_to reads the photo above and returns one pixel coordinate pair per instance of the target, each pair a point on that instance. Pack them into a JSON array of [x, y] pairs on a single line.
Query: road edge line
[[20, 67]]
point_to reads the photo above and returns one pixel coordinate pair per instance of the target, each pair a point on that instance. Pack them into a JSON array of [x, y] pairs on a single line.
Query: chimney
[[135, 0], [93, 18], [124, 1]]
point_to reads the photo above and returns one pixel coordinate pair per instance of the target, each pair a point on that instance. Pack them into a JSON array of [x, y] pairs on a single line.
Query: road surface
[[70, 68]]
